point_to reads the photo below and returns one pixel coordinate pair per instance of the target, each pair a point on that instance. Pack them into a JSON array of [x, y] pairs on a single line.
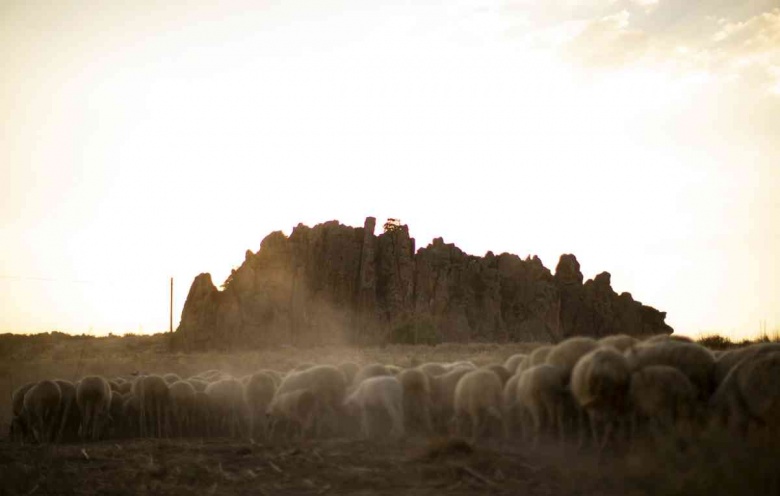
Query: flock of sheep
[[591, 390]]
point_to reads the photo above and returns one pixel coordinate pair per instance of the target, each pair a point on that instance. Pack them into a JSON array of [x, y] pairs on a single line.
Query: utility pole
[[170, 320]]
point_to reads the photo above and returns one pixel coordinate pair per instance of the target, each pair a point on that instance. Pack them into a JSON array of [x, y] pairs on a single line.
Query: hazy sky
[[143, 140]]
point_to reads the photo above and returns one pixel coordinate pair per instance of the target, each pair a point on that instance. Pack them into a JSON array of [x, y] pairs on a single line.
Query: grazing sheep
[[524, 365], [202, 421], [728, 359], [131, 413], [296, 409], [113, 385], [500, 371], [620, 342], [567, 353], [350, 369], [208, 375], [328, 384], [154, 396], [70, 416], [376, 398], [599, 385], [93, 397], [170, 378], [275, 375], [258, 393], [693, 360], [661, 397], [461, 364], [511, 413], [394, 369], [198, 385], [301, 367], [443, 396], [124, 387], [370, 370], [182, 402], [115, 412], [41, 410], [759, 387], [512, 362], [416, 399], [19, 430], [433, 369], [539, 355], [750, 395], [543, 399], [227, 398], [478, 400], [663, 338]]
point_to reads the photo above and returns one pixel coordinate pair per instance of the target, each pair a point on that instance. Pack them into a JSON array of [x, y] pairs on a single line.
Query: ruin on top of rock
[[335, 284]]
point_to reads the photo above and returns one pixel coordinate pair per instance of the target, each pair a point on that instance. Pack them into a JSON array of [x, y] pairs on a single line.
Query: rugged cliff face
[[337, 284]]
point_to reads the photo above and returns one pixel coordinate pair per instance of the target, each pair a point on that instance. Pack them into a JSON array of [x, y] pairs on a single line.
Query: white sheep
[[620, 342], [131, 413], [375, 398], [510, 414], [227, 399], [513, 361], [663, 338], [41, 410], [567, 353], [115, 413], [328, 384], [258, 393], [19, 430], [416, 399], [182, 402], [478, 401], [155, 403], [198, 384], [394, 369], [349, 369], [693, 360], [543, 400], [296, 409], [500, 371], [433, 369], [443, 396], [729, 358], [70, 416], [750, 394], [661, 397], [370, 370], [599, 385], [93, 397], [539, 355], [461, 365], [170, 378]]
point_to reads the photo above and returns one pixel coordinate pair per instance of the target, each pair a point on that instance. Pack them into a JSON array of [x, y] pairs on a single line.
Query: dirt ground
[[331, 466]]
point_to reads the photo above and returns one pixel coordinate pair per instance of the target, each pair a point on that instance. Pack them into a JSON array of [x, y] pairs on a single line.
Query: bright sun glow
[[142, 142]]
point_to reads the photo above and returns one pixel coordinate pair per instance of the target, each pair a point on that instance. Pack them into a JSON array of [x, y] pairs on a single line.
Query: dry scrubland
[[716, 463]]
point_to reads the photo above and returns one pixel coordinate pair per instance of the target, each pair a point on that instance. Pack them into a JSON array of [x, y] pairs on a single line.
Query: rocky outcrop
[[334, 284]]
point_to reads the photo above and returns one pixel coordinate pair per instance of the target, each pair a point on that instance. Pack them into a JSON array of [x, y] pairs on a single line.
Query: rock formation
[[337, 284]]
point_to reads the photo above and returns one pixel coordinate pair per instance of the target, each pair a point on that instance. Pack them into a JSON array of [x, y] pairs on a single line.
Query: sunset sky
[[146, 140]]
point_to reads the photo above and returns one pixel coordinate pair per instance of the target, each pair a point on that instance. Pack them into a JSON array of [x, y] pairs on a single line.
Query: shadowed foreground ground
[[334, 466]]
